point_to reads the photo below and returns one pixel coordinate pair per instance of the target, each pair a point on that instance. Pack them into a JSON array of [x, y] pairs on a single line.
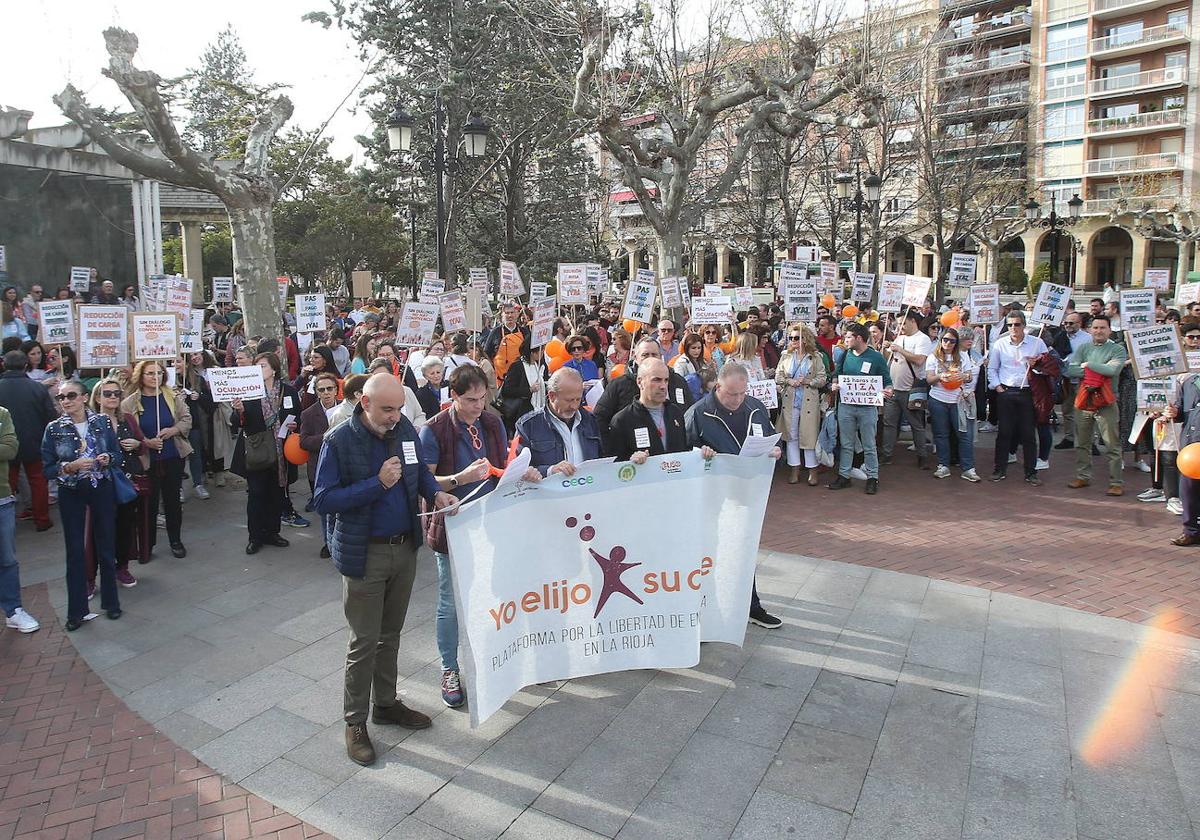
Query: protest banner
[[639, 300], [510, 280], [765, 391], [1051, 305], [597, 280], [712, 290], [475, 304], [236, 383], [81, 278], [542, 328], [417, 323], [807, 254], [685, 292], [222, 289], [983, 303], [1193, 360], [863, 287], [57, 320], [573, 283], [454, 313], [178, 300], [891, 293], [283, 282], [800, 300], [573, 577], [670, 293], [1187, 293], [791, 270], [360, 283], [916, 290], [431, 288], [538, 290], [103, 336], [860, 390], [191, 336], [743, 297], [646, 275], [831, 283], [962, 269], [154, 335], [310, 313], [711, 310], [3, 259], [479, 280], [1157, 278], [1156, 350], [154, 292], [1137, 307], [1155, 394]]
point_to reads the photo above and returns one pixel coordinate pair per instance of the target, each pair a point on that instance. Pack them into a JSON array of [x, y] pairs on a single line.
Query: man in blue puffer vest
[[369, 478]]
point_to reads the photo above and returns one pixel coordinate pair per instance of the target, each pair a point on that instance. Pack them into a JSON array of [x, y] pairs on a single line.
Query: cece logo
[[671, 466], [577, 482]]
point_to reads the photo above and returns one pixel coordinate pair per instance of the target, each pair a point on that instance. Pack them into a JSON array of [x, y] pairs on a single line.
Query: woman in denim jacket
[[77, 450]]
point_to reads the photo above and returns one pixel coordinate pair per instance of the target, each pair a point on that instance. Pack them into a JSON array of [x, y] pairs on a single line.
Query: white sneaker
[[1141, 466], [1175, 506], [1012, 459], [856, 472], [91, 616], [985, 426], [912, 447], [1041, 465], [941, 472], [22, 621], [202, 492], [182, 495], [161, 520], [970, 475], [1152, 495]]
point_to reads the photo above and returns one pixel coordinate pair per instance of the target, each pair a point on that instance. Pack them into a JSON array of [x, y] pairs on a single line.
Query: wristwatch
[[453, 481]]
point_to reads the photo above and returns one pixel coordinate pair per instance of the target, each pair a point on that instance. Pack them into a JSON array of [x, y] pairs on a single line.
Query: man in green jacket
[[10, 578], [1101, 357]]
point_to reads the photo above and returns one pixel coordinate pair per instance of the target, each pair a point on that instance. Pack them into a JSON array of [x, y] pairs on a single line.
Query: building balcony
[[987, 64], [994, 28], [1104, 206], [985, 139], [1136, 163], [1116, 8], [1062, 13], [975, 105], [1163, 77], [1152, 37], [1137, 123], [957, 8]]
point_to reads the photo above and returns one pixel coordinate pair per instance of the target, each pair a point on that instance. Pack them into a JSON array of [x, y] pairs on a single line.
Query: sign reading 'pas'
[[577, 576]]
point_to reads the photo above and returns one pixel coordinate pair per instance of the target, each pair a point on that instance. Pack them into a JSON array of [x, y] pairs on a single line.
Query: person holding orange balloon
[[950, 372], [1186, 411]]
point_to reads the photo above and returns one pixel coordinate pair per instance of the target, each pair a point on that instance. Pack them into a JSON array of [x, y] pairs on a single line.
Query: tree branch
[[257, 159]]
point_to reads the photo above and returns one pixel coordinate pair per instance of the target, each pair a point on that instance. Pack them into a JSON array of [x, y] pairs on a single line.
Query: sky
[[48, 43]]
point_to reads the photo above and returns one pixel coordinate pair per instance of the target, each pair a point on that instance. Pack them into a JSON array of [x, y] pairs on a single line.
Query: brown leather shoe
[[401, 715], [1186, 539], [1076, 483], [358, 744], [1115, 490]]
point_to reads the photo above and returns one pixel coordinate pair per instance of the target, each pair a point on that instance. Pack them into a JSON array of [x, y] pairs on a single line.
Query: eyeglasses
[[1016, 324], [326, 389], [65, 397], [794, 338], [577, 349], [949, 341], [1192, 337], [110, 393], [666, 329]]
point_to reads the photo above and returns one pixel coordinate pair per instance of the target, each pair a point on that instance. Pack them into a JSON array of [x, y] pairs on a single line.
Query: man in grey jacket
[[1187, 411]]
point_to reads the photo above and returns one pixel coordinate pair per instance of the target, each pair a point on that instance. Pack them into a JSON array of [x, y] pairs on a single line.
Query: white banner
[[222, 289], [1137, 307], [191, 336], [1051, 305], [891, 293], [179, 298], [800, 300], [236, 383], [639, 299], [573, 283], [669, 292], [57, 322], [962, 269], [863, 287], [1157, 278], [743, 297], [81, 278], [310, 313], [916, 289], [542, 328], [765, 391], [431, 288], [103, 336], [860, 390], [538, 290], [454, 312], [417, 322], [155, 335], [791, 271], [1155, 394], [479, 280], [510, 280], [983, 303], [1187, 293], [577, 576], [831, 283], [1156, 350], [710, 310]]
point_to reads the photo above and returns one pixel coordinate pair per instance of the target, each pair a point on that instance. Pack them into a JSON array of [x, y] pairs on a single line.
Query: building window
[[1063, 121], [1066, 82], [1064, 43]]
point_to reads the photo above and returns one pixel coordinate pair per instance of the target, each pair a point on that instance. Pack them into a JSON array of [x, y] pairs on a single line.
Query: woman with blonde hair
[[800, 376], [745, 352], [166, 422], [951, 376], [132, 524]]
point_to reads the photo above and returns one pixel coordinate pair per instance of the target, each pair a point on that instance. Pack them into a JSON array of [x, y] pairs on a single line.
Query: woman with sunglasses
[[198, 393], [800, 376], [950, 372], [77, 450], [133, 525], [714, 350], [578, 346]]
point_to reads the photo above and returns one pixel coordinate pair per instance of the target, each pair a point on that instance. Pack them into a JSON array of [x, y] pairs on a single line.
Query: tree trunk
[[670, 264], [993, 259], [254, 267]]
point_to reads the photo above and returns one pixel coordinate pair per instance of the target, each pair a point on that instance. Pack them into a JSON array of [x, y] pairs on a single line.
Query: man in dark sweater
[[623, 390], [32, 410]]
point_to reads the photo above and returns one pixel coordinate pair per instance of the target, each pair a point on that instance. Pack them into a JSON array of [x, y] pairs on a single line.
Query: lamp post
[[400, 126], [1053, 222], [858, 201]]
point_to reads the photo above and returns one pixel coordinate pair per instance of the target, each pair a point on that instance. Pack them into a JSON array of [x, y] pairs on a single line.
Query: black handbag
[[261, 453]]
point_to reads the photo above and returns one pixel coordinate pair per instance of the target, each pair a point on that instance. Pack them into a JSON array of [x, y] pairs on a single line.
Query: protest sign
[[1186, 293], [685, 292], [475, 303], [191, 336], [1193, 360], [310, 313], [860, 390], [711, 310], [236, 383], [538, 290], [154, 292], [1156, 350], [57, 322], [1051, 305], [891, 293], [669, 292], [831, 283], [454, 314], [806, 254], [542, 329], [431, 288], [1156, 278], [646, 275], [154, 335], [916, 290], [417, 322], [479, 280], [743, 297], [712, 290], [222, 289], [81, 278], [103, 336], [765, 391], [567, 578], [1155, 394], [573, 283], [863, 287], [360, 283], [639, 300], [962, 269], [790, 270], [800, 300], [597, 280], [3, 259], [510, 280], [178, 298], [983, 303], [1137, 307], [283, 291]]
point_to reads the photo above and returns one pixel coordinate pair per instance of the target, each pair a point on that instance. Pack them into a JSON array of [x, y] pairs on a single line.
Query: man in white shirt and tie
[[1008, 374]]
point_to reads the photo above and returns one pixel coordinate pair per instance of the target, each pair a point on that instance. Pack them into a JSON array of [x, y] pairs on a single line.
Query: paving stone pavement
[[889, 705]]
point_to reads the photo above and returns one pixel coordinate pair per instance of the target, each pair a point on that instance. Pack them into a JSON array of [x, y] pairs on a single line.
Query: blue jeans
[[857, 423], [196, 459], [73, 505], [10, 575], [945, 424], [447, 615]]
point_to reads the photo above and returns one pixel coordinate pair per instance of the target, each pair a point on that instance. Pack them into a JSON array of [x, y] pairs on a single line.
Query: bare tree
[[1180, 224], [992, 235], [248, 190]]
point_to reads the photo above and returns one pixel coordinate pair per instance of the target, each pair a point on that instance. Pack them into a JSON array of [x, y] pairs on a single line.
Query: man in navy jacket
[[560, 436]]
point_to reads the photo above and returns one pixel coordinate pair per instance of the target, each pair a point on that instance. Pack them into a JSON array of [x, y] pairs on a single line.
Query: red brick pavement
[[77, 763], [1077, 548]]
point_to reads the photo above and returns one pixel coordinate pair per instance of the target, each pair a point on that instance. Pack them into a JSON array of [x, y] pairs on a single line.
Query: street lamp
[[850, 191], [1053, 222], [475, 131]]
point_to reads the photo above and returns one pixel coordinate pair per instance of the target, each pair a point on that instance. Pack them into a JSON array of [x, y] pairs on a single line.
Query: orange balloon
[[952, 383], [618, 370], [555, 362], [555, 348], [849, 310], [828, 301], [1188, 461], [631, 326], [949, 319], [293, 451]]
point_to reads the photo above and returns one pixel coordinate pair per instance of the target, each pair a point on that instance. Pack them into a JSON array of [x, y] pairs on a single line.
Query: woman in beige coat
[[800, 376]]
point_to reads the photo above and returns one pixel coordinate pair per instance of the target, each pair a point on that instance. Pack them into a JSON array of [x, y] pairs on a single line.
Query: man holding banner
[[1095, 365], [858, 420], [1008, 373]]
